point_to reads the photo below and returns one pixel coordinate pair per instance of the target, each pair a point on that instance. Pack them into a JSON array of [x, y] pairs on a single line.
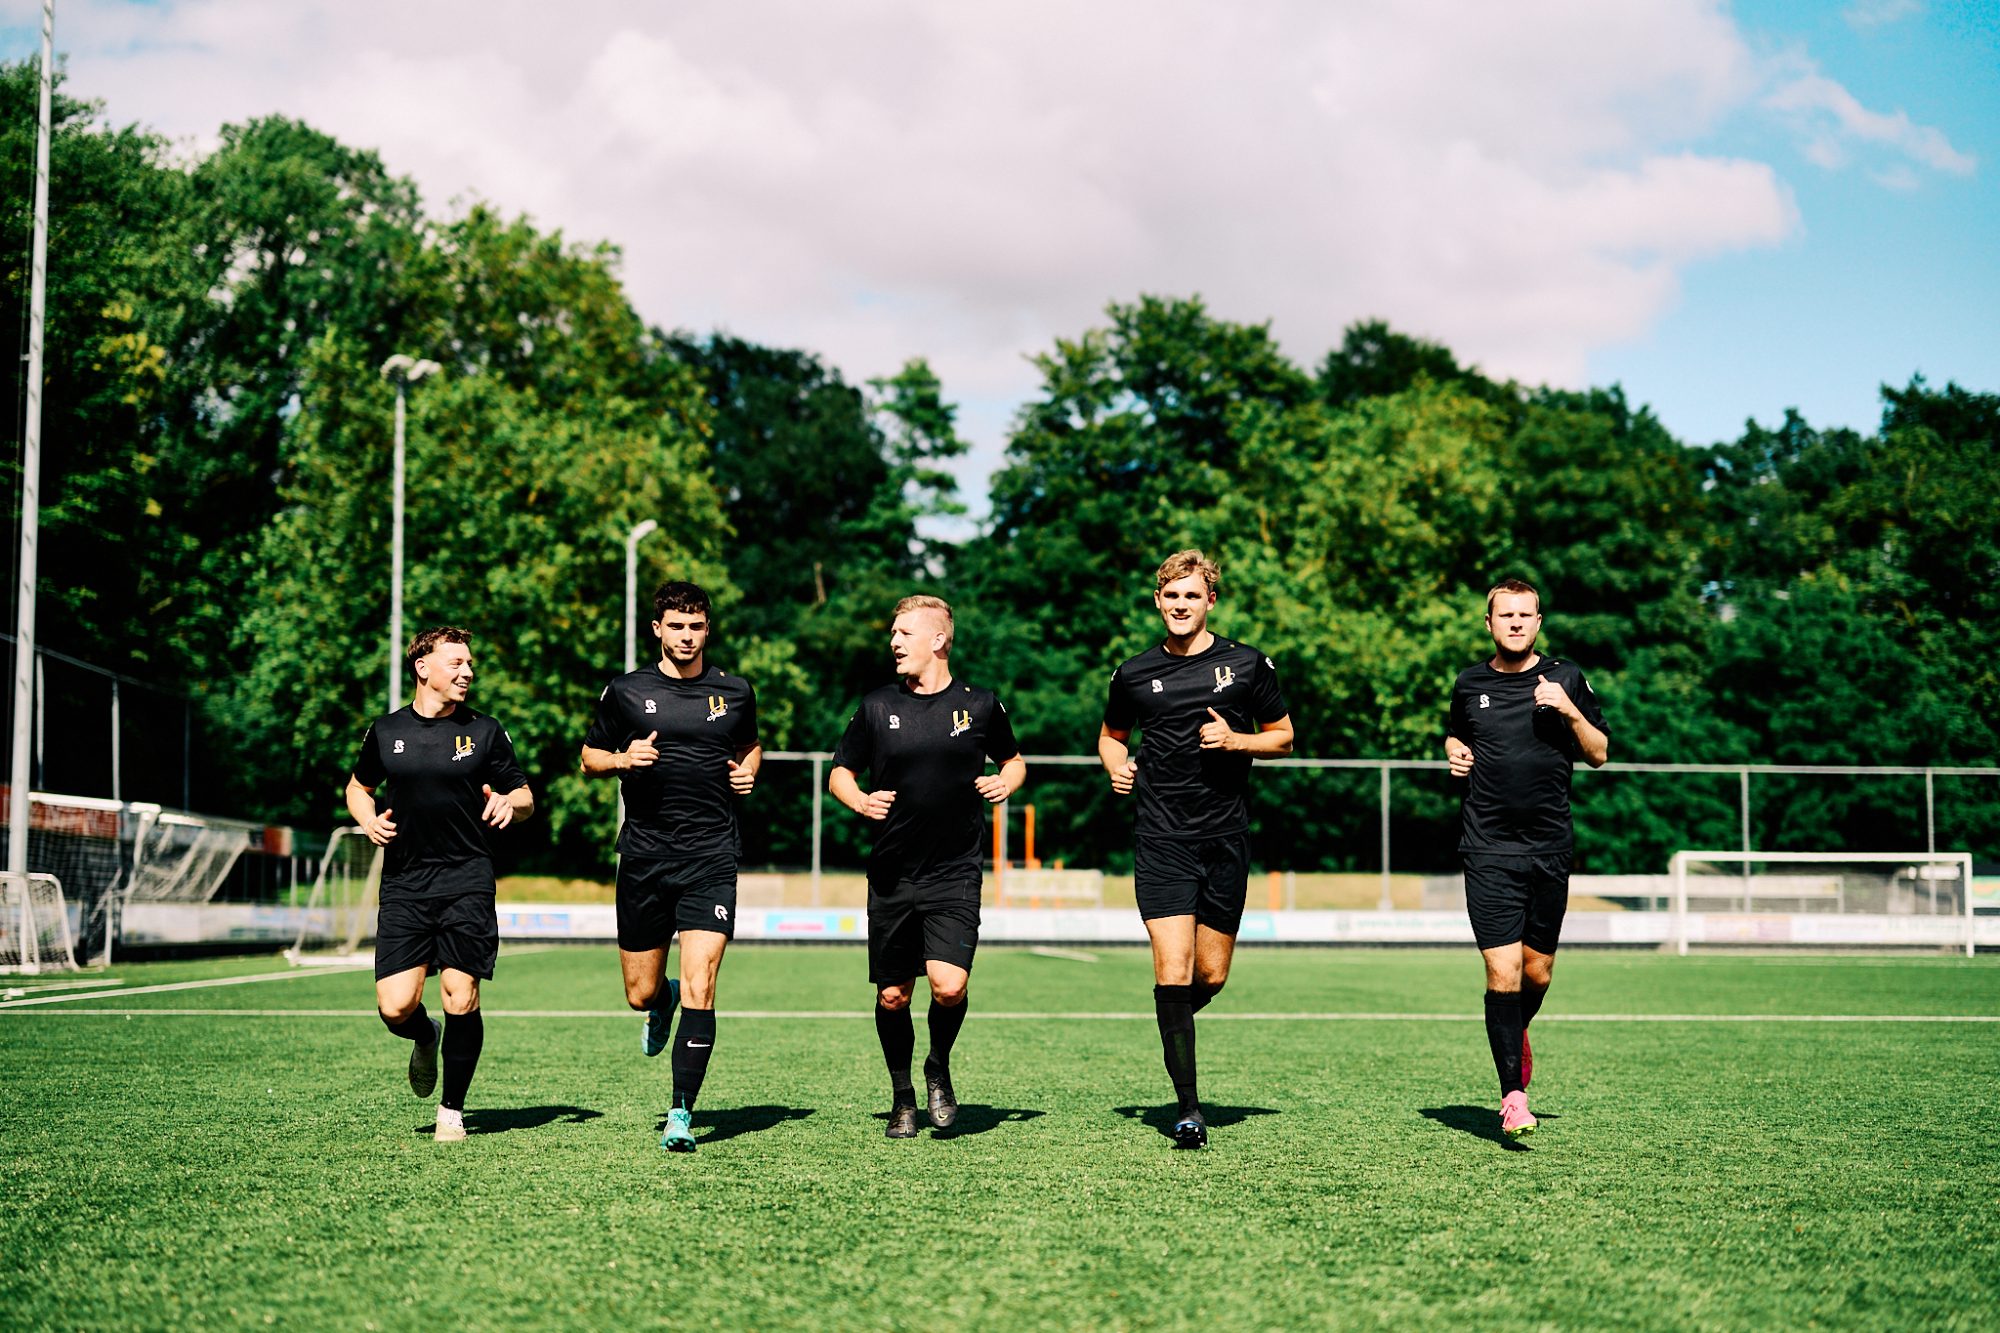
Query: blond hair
[[1183, 563], [926, 602]]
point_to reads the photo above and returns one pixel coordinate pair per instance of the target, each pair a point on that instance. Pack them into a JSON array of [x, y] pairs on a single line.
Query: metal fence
[[1414, 811]]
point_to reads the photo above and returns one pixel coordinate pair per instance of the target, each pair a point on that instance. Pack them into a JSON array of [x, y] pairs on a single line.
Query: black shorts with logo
[[912, 924], [658, 896], [1517, 899], [1206, 878], [435, 932]]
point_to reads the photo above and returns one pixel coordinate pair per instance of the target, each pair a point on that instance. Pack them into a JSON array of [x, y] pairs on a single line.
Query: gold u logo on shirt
[[961, 721], [461, 747], [1224, 678], [717, 706]]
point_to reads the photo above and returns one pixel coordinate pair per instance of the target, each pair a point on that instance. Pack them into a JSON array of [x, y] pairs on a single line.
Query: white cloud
[[1828, 110], [1865, 14], [884, 178]]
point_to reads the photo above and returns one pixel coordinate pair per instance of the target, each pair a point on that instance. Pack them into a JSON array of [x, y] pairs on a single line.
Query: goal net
[[34, 925], [182, 858], [339, 920], [1908, 899]]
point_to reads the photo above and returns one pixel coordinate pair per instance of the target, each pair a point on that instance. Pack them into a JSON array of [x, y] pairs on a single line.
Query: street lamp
[[632, 540], [403, 371]]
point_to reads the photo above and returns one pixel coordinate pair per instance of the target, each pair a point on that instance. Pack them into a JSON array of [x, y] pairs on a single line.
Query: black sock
[[897, 1032], [1503, 1034], [692, 1045], [417, 1027], [1531, 1002], [464, 1038], [1200, 993], [945, 1021], [1174, 1007]]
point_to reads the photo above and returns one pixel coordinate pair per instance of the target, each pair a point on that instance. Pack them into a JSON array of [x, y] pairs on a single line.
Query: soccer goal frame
[[1677, 871], [34, 925], [350, 914]]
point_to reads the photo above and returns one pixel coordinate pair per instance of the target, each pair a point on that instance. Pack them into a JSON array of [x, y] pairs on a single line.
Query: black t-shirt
[[1184, 791], [682, 803], [434, 768], [1517, 797], [928, 748]]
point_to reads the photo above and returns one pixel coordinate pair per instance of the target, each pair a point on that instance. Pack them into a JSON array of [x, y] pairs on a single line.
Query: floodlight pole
[[403, 371], [632, 540], [638, 534], [31, 472]]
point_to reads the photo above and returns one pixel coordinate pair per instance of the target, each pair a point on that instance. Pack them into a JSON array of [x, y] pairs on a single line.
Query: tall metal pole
[[396, 566], [632, 540], [405, 371], [31, 472]]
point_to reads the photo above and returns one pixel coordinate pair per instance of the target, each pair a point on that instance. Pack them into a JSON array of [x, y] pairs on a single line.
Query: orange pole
[[1028, 838], [999, 848], [1277, 890]]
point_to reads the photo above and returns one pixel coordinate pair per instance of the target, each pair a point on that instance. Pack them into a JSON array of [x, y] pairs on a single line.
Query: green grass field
[[249, 1154]]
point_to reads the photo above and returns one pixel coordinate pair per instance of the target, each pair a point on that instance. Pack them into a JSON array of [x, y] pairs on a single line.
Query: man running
[[1205, 706], [1519, 722], [924, 741], [681, 736], [452, 778]]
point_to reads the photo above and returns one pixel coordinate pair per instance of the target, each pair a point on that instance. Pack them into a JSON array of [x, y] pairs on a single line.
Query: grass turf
[[174, 1168]]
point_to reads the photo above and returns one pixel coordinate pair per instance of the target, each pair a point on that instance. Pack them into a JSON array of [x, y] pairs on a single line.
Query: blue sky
[[1878, 283], [1731, 209]]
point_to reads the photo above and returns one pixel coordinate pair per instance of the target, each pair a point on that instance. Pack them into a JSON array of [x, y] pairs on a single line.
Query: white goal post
[[34, 925], [340, 915], [1826, 898]]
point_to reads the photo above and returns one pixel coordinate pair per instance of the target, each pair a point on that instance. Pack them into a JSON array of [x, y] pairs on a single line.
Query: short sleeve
[[607, 729], [856, 751], [746, 721], [1267, 701], [503, 771], [1000, 743], [1118, 714], [368, 769], [1456, 722], [1587, 703]]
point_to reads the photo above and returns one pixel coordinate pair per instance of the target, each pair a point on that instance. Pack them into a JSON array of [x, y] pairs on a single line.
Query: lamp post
[[632, 540], [403, 371]]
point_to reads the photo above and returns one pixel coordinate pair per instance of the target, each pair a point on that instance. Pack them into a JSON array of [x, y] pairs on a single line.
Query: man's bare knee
[[394, 1014], [950, 995], [641, 997], [893, 1000]]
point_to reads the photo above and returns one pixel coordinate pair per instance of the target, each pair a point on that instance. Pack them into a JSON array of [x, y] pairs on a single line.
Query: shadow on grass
[[500, 1119], [1218, 1117], [731, 1121], [974, 1118], [1482, 1122]]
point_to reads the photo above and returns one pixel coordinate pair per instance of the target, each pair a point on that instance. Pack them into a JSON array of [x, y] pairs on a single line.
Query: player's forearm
[[602, 763], [1272, 741], [846, 790], [1014, 773], [360, 803], [751, 759], [1594, 745], [1113, 753], [523, 801]]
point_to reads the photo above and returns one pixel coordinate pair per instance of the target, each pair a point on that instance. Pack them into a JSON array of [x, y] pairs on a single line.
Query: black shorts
[[1206, 878], [658, 896], [913, 924], [1517, 899], [460, 932]]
